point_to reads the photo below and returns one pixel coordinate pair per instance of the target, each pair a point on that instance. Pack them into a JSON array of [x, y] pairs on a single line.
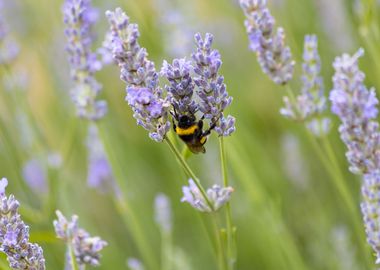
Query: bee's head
[[185, 121]]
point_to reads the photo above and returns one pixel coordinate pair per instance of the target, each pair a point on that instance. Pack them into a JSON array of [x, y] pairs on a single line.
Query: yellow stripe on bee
[[203, 140], [186, 131]]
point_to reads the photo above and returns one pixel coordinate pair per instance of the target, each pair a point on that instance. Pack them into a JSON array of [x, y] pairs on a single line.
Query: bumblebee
[[191, 131]]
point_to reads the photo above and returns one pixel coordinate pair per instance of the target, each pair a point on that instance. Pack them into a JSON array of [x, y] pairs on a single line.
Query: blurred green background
[[287, 210]]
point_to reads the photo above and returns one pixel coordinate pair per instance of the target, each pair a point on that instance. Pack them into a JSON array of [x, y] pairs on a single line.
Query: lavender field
[[181, 135]]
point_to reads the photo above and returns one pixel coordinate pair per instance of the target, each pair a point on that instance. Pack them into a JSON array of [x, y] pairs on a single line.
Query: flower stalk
[[72, 261], [188, 171], [231, 252]]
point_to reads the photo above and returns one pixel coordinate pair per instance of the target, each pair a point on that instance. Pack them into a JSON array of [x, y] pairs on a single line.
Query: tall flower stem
[[126, 211], [188, 171], [73, 261], [219, 245], [230, 237]]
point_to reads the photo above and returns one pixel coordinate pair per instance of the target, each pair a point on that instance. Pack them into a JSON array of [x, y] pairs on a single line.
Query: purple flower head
[[85, 247], [79, 17], [156, 109], [349, 89], [356, 107], [371, 210], [214, 98], [181, 88], [14, 235], [272, 53], [311, 103], [143, 93], [226, 126], [312, 82], [139, 95], [218, 196]]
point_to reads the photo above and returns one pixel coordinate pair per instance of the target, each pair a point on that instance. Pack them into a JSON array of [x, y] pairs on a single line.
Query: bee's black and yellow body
[[191, 132]]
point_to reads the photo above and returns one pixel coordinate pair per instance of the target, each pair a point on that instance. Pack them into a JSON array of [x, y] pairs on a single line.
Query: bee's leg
[[208, 131], [200, 124], [174, 125]]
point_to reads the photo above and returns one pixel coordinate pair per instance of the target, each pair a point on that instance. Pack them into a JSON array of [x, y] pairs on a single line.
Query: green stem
[[73, 261], [219, 245], [293, 100], [332, 169], [230, 245], [339, 175], [189, 172]]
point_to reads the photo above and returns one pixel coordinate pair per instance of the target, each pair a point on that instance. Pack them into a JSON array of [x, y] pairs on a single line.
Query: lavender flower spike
[[211, 87], [143, 93], [181, 88], [218, 196], [311, 103], [86, 248], [371, 210], [79, 17], [356, 107], [14, 235], [272, 53]]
